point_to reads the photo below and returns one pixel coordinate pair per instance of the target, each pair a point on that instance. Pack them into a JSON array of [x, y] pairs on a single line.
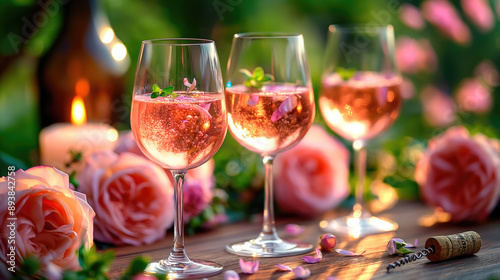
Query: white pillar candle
[[57, 140]]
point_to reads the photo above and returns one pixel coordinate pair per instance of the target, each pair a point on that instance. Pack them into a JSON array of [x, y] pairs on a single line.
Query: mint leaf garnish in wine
[[346, 74], [257, 78], [157, 91]]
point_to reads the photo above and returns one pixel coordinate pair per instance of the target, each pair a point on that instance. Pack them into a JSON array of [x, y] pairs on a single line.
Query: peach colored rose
[[312, 177], [132, 198], [460, 174], [480, 13], [445, 17], [199, 183], [52, 220], [438, 107], [474, 96]]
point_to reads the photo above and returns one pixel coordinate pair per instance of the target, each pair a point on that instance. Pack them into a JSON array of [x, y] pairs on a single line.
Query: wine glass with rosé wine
[[270, 107], [179, 121], [360, 98]]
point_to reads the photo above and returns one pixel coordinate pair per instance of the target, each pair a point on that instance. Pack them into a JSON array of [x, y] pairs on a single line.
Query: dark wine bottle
[[86, 59]]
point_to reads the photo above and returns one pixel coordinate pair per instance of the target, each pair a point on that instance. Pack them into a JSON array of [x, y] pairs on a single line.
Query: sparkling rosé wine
[[179, 133], [361, 107], [271, 119]]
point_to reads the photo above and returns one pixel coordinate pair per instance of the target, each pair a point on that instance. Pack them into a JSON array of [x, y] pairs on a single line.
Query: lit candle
[[57, 140]]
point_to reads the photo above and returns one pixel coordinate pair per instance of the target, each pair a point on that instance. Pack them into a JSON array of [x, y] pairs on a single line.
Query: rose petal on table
[[283, 267], [331, 278], [301, 272], [398, 240], [249, 267], [409, 245], [391, 247], [348, 253], [294, 229], [311, 259], [231, 275]]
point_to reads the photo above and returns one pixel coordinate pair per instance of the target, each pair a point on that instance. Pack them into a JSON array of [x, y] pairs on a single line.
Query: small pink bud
[[327, 241]]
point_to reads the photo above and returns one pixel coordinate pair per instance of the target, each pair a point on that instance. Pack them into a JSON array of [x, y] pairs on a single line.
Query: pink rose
[[415, 56], [474, 96], [312, 177], [407, 88], [410, 15], [438, 107], [480, 13], [52, 220], [132, 197], [198, 189], [460, 174], [487, 72], [198, 186], [444, 16]]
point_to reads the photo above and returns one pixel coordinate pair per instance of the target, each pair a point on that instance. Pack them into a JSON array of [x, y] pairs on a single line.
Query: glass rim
[[265, 35], [361, 28], [178, 41]]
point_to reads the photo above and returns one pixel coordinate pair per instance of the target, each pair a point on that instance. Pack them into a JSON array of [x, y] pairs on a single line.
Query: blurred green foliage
[[237, 170]]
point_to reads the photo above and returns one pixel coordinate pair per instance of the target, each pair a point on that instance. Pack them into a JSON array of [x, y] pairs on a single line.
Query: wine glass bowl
[[270, 106], [360, 98], [178, 119]]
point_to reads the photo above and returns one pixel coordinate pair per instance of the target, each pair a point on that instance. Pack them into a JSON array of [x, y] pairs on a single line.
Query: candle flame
[[78, 115]]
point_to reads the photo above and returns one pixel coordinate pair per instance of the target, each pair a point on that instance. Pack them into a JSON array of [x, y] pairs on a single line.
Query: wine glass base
[[360, 226], [269, 249], [186, 270]]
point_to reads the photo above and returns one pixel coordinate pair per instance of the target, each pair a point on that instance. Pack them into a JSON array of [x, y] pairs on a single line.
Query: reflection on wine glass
[[270, 106], [360, 98], [179, 121]]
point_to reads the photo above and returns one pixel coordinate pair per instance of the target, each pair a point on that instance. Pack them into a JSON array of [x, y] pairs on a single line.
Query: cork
[[454, 245]]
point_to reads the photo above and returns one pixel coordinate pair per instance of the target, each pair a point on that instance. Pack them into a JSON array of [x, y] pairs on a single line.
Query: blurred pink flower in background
[[480, 13], [410, 15], [132, 198], [415, 56], [474, 96], [312, 177], [198, 189], [438, 107], [444, 16], [487, 71], [407, 88], [53, 221], [199, 182], [460, 174]]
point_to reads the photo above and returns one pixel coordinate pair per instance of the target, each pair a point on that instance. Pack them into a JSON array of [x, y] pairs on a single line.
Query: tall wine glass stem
[[178, 254], [268, 229], [359, 147]]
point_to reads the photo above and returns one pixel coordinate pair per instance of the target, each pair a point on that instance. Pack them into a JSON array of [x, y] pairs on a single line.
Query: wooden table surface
[[372, 265]]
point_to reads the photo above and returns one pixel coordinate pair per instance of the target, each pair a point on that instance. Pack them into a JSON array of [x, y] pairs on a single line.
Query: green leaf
[[155, 94], [168, 90], [156, 88], [30, 265], [258, 73], [268, 78], [246, 73], [137, 266], [346, 74], [73, 180]]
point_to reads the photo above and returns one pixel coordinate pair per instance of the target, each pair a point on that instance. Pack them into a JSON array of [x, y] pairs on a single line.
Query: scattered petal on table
[[301, 272], [331, 278], [391, 247], [348, 253], [409, 245], [311, 259], [283, 267], [249, 267], [231, 275], [294, 229]]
